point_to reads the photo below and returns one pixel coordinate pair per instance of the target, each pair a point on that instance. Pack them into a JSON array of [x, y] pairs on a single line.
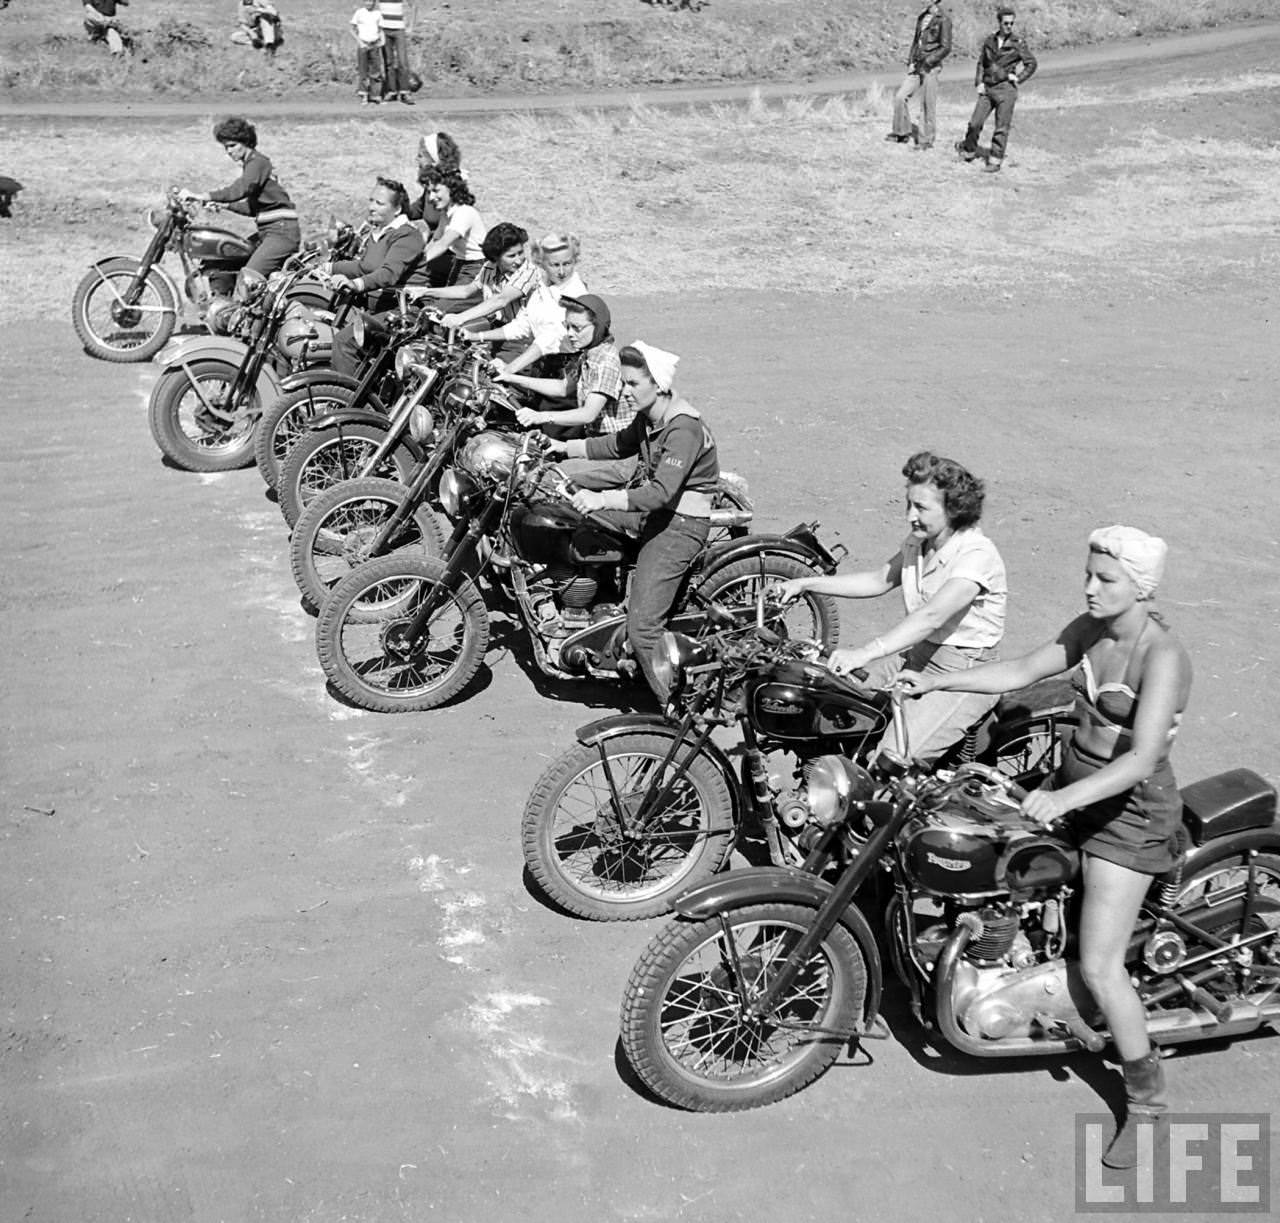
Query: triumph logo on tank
[[947, 864], [1202, 1163]]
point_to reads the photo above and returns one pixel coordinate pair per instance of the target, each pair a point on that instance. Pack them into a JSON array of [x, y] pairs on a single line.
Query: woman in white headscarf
[[1132, 679]]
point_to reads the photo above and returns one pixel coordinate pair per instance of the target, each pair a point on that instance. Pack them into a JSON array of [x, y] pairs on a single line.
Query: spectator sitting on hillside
[[102, 25], [258, 25]]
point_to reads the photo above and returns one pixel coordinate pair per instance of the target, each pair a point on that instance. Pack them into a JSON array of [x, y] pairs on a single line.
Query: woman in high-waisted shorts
[[1132, 685]]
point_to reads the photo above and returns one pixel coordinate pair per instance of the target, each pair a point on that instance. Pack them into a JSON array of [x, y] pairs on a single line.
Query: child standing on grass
[[366, 28]]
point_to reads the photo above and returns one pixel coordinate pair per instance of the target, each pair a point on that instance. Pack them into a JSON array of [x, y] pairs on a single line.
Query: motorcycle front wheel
[[333, 534], [194, 422], [112, 331], [588, 853], [325, 457], [737, 586], [286, 421], [687, 1034], [361, 644]]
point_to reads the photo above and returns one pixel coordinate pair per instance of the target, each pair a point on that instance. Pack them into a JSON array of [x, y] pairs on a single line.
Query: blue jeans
[[369, 69], [669, 544], [926, 84], [397, 63]]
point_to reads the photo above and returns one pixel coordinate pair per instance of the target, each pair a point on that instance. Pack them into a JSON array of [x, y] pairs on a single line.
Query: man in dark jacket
[[930, 46], [1004, 64]]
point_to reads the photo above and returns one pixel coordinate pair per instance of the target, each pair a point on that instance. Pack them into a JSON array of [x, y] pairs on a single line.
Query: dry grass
[[183, 48], [800, 197]]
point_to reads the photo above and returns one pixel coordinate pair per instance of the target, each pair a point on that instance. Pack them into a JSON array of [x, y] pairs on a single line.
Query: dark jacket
[[677, 456], [996, 63], [256, 191], [392, 259], [932, 41]]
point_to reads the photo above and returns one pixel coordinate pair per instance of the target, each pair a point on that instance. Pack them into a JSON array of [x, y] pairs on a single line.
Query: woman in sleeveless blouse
[[1132, 687]]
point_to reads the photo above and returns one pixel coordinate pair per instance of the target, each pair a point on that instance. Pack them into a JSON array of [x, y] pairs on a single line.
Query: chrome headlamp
[[831, 784], [456, 490], [411, 357], [672, 656]]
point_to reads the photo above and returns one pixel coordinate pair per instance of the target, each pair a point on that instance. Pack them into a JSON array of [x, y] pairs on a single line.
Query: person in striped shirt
[[395, 51]]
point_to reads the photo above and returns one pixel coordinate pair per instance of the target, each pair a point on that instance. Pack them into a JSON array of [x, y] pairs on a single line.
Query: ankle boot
[[1144, 1105]]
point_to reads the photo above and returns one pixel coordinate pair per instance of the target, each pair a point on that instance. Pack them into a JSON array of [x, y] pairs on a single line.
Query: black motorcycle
[[769, 973], [408, 632], [126, 309], [207, 402], [644, 806]]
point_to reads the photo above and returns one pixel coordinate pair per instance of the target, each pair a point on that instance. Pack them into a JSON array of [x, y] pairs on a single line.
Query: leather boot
[[1144, 1104]]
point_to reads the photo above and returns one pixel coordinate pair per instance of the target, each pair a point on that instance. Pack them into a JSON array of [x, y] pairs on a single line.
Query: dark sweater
[[257, 190], [675, 457]]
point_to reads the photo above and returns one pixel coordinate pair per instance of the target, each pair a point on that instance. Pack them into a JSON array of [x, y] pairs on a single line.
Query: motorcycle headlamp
[[154, 219], [410, 357], [831, 784], [358, 330], [275, 282], [456, 490], [672, 656]]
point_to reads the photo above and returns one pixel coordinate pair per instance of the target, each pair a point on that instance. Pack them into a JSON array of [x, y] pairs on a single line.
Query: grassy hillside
[[470, 47]]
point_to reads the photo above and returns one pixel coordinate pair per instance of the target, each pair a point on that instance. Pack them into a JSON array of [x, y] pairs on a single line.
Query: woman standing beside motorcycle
[[1132, 685], [257, 193], [954, 589]]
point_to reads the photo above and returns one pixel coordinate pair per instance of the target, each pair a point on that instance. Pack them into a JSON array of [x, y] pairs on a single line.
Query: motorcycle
[[357, 440], [408, 632], [768, 973], [126, 309], [644, 805], [208, 399]]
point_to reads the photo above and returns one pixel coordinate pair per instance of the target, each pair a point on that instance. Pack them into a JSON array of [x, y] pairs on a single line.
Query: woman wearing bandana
[[669, 497], [1132, 679]]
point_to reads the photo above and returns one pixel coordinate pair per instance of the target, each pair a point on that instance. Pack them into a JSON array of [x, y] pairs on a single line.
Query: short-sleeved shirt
[[598, 369], [368, 23], [542, 317], [524, 279], [466, 222], [967, 555]]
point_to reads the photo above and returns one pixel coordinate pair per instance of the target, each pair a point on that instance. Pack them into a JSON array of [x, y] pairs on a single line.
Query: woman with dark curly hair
[[257, 193], [954, 590], [460, 230], [438, 152]]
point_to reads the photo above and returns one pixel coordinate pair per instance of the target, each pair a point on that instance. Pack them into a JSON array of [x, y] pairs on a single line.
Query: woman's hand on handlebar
[[552, 448], [912, 684], [1044, 806], [785, 592], [847, 662], [585, 501], [528, 417]]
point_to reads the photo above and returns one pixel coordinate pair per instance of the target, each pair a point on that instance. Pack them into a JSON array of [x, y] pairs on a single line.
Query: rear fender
[[730, 550], [604, 729], [1261, 840], [755, 885]]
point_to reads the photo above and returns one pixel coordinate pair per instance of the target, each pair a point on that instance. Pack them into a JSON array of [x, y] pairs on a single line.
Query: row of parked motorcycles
[[418, 508]]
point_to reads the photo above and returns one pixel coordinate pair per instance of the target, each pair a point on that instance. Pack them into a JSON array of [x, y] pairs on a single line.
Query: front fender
[[317, 374], [180, 352], [157, 270], [362, 416], [783, 885], [604, 729]]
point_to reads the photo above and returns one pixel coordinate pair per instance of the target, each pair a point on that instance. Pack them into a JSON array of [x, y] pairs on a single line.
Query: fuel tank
[[212, 245], [550, 533], [803, 701]]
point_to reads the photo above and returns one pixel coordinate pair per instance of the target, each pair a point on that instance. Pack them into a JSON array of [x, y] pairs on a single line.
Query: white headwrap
[[1140, 555], [429, 145], [661, 364]]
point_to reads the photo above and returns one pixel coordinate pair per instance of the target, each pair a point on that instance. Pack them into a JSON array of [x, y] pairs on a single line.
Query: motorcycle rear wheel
[[197, 437], [326, 457], [355, 636], [285, 423], [683, 1028], [810, 617], [333, 534], [119, 334], [581, 856]]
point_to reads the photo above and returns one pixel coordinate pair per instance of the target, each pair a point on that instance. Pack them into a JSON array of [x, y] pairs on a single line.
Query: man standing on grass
[[366, 28], [930, 46], [1004, 64], [395, 54]]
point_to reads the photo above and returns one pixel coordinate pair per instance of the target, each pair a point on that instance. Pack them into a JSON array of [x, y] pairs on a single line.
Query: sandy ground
[[270, 958]]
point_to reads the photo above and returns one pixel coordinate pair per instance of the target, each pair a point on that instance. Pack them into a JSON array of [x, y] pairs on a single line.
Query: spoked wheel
[[286, 421], [685, 1028], [326, 457], [1217, 898], [362, 644], [1027, 751], [810, 617], [113, 331], [334, 534], [195, 421], [595, 850]]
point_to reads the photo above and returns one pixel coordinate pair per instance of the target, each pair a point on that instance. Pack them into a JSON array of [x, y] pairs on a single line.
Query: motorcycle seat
[[1234, 801]]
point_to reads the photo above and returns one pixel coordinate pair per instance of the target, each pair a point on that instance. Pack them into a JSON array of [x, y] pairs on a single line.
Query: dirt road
[[269, 958]]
